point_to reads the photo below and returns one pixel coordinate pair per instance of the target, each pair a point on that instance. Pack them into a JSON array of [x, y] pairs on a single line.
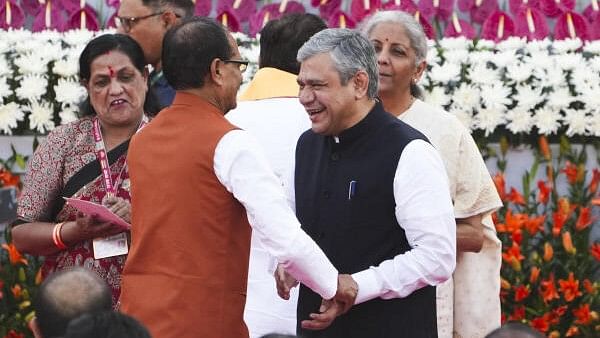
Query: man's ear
[[33, 326], [169, 19], [216, 71], [360, 81]]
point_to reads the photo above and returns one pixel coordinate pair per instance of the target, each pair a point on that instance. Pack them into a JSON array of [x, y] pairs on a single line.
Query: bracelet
[[56, 237]]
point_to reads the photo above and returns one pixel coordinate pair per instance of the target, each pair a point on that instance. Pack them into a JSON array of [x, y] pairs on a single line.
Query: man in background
[[147, 21], [66, 295], [270, 111]]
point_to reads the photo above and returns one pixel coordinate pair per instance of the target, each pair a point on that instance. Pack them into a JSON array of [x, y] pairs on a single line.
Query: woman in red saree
[[70, 162]]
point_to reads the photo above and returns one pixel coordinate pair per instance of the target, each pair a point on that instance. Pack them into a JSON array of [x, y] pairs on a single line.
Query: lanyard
[[102, 156]]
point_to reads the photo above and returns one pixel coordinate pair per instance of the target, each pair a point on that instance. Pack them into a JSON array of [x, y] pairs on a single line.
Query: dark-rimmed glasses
[[128, 22], [242, 64]]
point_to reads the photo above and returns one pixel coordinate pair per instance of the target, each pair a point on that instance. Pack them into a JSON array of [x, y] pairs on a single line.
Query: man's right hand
[[346, 292], [284, 281]]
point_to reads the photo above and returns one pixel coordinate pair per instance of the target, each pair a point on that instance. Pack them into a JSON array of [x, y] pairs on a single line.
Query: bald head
[[514, 330], [66, 295]]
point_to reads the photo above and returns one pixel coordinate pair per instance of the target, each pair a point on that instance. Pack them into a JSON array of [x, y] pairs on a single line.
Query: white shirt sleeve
[[244, 171], [424, 210]]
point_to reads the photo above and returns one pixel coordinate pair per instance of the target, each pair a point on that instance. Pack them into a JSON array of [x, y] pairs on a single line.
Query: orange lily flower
[[584, 219], [572, 331], [544, 192], [568, 243], [535, 224], [548, 252], [582, 314], [38, 277], [500, 185], [7, 179], [595, 251], [550, 174], [541, 323], [16, 291], [569, 287], [534, 274], [565, 207], [521, 292], [589, 286], [13, 334], [516, 197], [559, 311], [554, 334], [517, 236], [571, 171], [593, 187], [548, 290], [512, 222], [504, 284], [514, 252], [14, 256], [559, 219], [545, 148], [518, 314]]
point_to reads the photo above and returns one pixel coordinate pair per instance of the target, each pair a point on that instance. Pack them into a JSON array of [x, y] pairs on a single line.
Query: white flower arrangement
[[542, 87], [39, 88]]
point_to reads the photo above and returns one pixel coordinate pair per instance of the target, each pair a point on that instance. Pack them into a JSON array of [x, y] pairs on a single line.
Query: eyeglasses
[[128, 22], [242, 64]]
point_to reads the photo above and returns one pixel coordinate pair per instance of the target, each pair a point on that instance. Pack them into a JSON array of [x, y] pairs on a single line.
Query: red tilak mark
[[111, 72]]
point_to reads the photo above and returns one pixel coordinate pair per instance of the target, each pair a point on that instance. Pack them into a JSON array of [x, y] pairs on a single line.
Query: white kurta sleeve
[[424, 210], [244, 171]]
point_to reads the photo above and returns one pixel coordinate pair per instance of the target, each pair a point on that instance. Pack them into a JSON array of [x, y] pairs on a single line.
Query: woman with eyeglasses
[[85, 160], [469, 306]]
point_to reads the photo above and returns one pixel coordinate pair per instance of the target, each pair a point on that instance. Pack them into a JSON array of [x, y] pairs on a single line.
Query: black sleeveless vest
[[345, 202]]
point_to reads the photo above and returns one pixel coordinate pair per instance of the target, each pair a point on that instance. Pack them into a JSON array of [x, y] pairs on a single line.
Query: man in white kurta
[[276, 119], [475, 286], [269, 109]]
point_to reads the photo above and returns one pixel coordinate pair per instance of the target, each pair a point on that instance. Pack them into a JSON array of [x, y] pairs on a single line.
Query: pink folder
[[100, 211]]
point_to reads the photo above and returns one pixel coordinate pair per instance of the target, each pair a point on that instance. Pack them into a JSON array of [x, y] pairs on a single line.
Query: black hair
[[189, 49], [102, 45], [183, 8], [109, 324], [280, 40], [66, 295]]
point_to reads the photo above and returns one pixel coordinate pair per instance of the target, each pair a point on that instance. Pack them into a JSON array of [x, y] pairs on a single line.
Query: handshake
[[347, 289]]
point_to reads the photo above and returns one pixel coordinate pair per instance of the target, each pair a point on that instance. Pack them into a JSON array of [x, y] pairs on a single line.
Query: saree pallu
[[68, 156]]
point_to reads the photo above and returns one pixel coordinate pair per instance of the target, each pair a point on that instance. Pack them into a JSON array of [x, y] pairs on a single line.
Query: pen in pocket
[[351, 189]]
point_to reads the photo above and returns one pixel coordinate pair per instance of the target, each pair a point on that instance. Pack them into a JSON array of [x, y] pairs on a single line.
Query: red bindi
[[111, 72]]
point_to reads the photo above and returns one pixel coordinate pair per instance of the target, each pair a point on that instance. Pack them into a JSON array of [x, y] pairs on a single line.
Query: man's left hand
[[330, 309]]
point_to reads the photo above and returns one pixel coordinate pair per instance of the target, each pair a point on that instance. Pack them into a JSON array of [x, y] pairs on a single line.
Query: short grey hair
[[414, 31], [350, 51]]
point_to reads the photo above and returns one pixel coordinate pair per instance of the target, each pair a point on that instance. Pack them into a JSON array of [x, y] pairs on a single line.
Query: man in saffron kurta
[[270, 111], [198, 183]]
